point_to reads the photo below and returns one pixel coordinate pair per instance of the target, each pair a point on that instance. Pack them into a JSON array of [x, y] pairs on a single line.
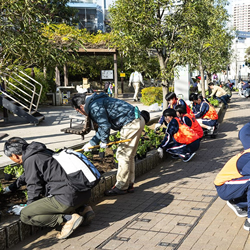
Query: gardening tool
[[108, 144]]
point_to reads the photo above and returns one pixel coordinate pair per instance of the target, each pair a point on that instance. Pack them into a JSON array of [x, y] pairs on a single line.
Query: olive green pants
[[46, 212]]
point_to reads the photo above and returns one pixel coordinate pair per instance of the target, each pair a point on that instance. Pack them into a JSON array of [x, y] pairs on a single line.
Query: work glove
[[6, 190], [103, 145], [160, 152], [16, 209], [157, 126], [129, 85], [86, 147]]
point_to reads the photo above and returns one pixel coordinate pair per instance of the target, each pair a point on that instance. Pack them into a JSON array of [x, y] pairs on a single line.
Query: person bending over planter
[[204, 112], [173, 101], [110, 113], [189, 120], [51, 199], [180, 140]]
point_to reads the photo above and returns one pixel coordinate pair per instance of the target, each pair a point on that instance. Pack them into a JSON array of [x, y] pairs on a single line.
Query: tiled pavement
[[175, 205]]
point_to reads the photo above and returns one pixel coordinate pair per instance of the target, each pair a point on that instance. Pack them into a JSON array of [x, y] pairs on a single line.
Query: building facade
[[241, 15]]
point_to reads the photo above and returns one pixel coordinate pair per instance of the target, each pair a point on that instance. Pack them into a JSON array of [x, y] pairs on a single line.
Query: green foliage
[[152, 95], [19, 171], [26, 194], [89, 155], [1, 187], [118, 135], [102, 150], [114, 147], [213, 102], [111, 138], [9, 170]]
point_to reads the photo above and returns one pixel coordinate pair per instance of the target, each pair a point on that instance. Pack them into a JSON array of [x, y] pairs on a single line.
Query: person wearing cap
[[173, 101], [110, 113], [178, 138], [204, 112]]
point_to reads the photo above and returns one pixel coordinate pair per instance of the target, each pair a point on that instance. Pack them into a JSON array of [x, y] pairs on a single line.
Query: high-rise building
[[241, 15]]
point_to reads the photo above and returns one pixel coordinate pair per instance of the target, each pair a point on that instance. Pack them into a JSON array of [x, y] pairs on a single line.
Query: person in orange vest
[[204, 112], [178, 138], [189, 120], [173, 101], [233, 185]]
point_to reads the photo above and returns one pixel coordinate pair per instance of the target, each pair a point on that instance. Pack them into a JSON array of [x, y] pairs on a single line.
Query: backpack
[[82, 174]]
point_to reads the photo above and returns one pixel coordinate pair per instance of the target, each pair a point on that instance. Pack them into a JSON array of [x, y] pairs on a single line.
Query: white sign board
[[107, 74], [182, 82]]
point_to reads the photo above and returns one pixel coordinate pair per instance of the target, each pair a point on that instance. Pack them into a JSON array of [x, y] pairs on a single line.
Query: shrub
[[152, 95], [213, 102]]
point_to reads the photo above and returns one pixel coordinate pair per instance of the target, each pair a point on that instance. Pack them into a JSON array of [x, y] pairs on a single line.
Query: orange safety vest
[[185, 134], [195, 125], [211, 113], [189, 111], [229, 171]]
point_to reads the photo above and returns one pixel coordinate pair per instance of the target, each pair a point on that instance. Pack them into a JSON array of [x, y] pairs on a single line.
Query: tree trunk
[[65, 72], [57, 77], [203, 91], [164, 82], [209, 77], [45, 72]]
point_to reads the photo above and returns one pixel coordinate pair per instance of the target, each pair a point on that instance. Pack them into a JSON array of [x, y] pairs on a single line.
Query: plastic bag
[[154, 107]]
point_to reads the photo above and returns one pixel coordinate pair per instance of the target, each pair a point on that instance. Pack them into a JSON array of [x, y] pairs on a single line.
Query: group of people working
[[184, 126], [53, 201]]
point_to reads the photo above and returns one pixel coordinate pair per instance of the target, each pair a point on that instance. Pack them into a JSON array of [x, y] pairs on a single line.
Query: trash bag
[[154, 107]]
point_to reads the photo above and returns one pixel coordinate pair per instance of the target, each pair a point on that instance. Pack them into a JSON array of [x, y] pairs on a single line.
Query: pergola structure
[[99, 52]]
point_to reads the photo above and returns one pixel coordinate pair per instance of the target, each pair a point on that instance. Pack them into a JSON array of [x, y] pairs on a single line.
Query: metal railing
[[26, 95]]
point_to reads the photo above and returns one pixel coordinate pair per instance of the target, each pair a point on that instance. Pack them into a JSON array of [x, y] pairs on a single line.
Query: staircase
[[22, 97]]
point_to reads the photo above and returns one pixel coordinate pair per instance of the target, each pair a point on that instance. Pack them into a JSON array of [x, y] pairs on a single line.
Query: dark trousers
[[47, 212], [237, 190]]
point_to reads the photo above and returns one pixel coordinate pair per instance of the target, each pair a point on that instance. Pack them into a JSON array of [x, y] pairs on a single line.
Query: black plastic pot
[[101, 155], [8, 177], [116, 165]]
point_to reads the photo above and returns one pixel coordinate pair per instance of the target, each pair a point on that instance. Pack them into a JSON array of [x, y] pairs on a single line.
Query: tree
[[21, 26], [209, 36], [247, 57], [141, 27]]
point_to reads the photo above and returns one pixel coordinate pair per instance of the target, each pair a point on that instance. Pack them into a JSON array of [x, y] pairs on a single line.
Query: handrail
[[30, 103]]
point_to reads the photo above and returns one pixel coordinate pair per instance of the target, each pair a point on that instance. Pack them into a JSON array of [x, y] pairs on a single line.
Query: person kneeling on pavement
[[233, 185], [51, 200], [204, 112], [180, 140]]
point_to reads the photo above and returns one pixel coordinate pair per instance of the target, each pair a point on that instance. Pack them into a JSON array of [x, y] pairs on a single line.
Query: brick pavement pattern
[[175, 205]]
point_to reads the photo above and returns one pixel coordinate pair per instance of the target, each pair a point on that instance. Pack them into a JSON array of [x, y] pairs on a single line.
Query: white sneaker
[[210, 130]]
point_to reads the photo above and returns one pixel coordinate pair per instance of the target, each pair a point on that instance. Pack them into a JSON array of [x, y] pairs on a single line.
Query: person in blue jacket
[[110, 113], [244, 136]]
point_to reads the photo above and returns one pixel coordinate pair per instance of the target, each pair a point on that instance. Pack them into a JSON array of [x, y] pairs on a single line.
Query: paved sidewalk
[[175, 206], [49, 130]]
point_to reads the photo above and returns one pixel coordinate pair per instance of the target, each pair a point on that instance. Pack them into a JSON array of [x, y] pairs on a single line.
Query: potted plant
[[9, 172], [141, 151], [19, 171], [102, 152], [114, 148], [118, 135], [89, 155]]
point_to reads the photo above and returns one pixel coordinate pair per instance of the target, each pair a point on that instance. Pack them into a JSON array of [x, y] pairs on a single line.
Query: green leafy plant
[[19, 171], [152, 95], [114, 147], [111, 138], [118, 135], [142, 150], [26, 194], [116, 161], [213, 102], [89, 155], [102, 150], [9, 170], [1, 187]]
